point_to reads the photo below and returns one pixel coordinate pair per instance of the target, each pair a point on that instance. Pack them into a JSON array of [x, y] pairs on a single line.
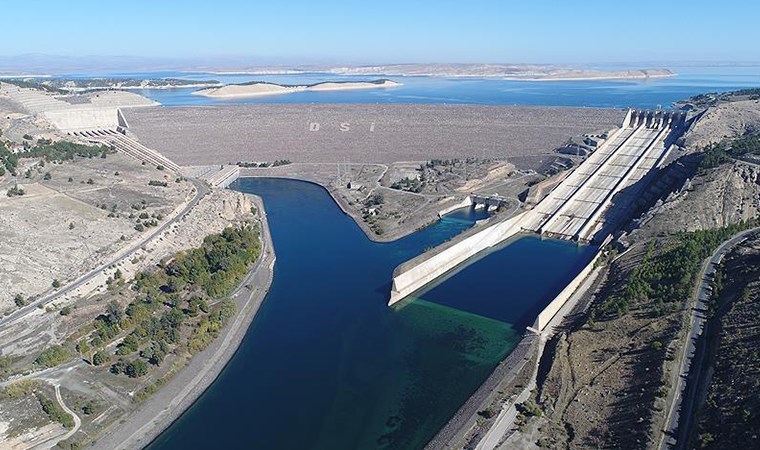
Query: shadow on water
[[327, 365]]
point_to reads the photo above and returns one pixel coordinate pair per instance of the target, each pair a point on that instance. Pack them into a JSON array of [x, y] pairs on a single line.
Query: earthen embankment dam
[[362, 133]]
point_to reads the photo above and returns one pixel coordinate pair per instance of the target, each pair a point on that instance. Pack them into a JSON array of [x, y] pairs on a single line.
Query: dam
[[585, 207]]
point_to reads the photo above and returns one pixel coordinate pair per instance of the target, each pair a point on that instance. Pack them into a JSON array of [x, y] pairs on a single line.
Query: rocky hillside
[[730, 416]]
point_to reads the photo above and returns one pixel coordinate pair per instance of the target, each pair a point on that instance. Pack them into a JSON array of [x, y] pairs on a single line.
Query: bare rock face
[[722, 197], [727, 120], [235, 207]]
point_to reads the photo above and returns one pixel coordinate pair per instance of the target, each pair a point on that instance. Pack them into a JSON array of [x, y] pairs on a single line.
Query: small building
[[354, 186], [593, 140]]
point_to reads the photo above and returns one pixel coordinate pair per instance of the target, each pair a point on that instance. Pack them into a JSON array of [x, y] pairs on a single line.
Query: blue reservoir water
[[327, 364], [691, 80]]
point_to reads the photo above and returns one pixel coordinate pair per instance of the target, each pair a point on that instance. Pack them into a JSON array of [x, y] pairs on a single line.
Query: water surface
[[691, 80], [327, 364]]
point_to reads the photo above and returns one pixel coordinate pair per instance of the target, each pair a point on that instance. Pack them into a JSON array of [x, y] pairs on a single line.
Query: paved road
[[200, 190], [503, 423], [681, 408]]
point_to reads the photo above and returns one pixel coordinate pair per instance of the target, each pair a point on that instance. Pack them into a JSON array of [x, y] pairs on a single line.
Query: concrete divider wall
[[463, 204], [418, 276], [559, 301]]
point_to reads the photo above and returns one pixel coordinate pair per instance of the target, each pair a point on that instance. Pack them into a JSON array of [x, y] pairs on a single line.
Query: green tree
[[100, 358], [120, 366], [136, 368]]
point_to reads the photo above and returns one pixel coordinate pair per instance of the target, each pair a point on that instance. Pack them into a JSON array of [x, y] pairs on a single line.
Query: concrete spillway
[[577, 209], [586, 206]]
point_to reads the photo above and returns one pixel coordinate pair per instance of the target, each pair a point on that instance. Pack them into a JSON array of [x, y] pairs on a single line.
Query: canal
[[326, 364]]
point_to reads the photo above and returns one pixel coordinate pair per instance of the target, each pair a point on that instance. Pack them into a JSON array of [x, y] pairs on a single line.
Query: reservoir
[[649, 93], [326, 364]]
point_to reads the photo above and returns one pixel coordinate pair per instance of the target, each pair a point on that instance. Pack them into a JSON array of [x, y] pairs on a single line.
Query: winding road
[[682, 407], [77, 420]]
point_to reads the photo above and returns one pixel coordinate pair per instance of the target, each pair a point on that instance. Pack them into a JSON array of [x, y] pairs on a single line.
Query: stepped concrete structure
[[586, 206], [129, 146], [576, 209], [72, 114]]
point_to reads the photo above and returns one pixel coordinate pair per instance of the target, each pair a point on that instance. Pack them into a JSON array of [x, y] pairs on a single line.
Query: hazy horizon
[[235, 33], [55, 64]]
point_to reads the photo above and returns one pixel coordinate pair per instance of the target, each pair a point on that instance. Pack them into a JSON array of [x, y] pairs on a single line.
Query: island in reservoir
[[260, 88]]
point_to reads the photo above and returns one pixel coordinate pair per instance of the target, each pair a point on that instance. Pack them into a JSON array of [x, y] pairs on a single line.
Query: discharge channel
[[326, 364]]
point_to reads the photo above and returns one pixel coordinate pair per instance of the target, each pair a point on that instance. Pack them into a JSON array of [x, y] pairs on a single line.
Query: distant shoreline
[[600, 78]]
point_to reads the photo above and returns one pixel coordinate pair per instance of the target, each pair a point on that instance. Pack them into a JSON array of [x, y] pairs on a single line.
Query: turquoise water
[[327, 364], [691, 80]]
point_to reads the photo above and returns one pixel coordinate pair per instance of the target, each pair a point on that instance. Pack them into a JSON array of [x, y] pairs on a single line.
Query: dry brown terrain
[[386, 213], [724, 120], [60, 228], [112, 395], [729, 413]]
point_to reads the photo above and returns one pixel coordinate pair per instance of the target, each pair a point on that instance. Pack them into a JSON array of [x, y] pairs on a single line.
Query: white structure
[[579, 208]]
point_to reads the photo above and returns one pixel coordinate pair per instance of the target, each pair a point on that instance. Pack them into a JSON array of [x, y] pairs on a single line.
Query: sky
[[386, 31]]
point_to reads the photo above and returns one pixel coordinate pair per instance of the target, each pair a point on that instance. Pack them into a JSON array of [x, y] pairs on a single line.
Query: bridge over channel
[[586, 206]]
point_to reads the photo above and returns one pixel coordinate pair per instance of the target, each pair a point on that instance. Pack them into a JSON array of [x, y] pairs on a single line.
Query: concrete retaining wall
[[423, 273], [559, 301], [463, 204], [83, 118]]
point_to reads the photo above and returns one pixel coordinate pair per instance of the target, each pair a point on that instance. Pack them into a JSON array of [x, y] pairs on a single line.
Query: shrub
[[88, 408], [136, 368], [55, 412], [15, 191], [21, 388], [120, 366], [100, 358], [52, 356]]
